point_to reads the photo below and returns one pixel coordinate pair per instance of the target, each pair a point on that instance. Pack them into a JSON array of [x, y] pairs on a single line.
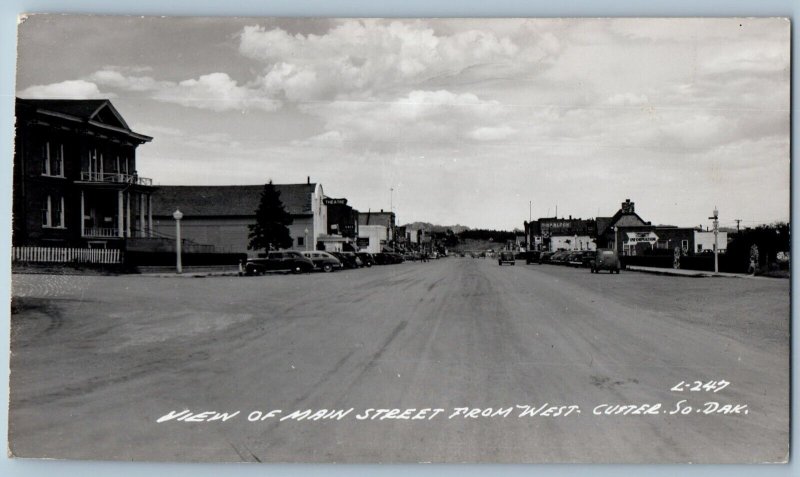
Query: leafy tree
[[272, 220]]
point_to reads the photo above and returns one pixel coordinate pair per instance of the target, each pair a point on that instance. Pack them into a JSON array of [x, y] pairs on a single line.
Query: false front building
[[75, 179]]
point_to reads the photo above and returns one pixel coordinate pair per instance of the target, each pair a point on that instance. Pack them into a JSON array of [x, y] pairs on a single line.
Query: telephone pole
[[737, 225], [715, 217]]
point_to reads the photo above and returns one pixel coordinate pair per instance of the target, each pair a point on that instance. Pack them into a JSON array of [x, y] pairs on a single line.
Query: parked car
[[348, 259], [323, 261], [288, 260], [506, 256], [381, 258], [409, 257], [606, 259], [545, 257], [588, 258], [394, 257], [532, 256], [574, 259], [559, 257], [366, 258]]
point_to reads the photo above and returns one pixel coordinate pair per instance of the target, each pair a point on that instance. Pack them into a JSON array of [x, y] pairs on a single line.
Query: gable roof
[[97, 112], [603, 223], [227, 201]]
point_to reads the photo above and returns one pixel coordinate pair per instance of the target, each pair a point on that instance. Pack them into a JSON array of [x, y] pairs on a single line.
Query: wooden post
[[127, 214], [120, 215], [149, 216], [83, 212], [141, 216]]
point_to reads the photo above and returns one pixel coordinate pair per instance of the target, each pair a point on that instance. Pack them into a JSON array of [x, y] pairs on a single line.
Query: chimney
[[627, 207], [308, 180]]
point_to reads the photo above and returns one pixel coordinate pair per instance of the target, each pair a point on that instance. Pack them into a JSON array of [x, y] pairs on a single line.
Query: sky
[[478, 122]]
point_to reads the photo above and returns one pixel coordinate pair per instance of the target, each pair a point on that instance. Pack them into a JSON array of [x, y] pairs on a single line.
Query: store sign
[[642, 237], [362, 241], [329, 201]]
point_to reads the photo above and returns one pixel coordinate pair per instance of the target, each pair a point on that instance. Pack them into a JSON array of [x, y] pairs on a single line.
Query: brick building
[[75, 178]]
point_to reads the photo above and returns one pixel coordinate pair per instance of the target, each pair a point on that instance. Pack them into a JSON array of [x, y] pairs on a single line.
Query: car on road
[[576, 259], [588, 257], [288, 260], [506, 256], [544, 257], [348, 259], [605, 259], [366, 258], [559, 257], [323, 261], [394, 257], [532, 256]]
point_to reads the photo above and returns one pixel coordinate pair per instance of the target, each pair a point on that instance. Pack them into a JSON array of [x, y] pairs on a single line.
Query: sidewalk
[[686, 273], [190, 272]]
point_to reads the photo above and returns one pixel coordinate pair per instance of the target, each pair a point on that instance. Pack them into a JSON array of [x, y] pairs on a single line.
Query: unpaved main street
[[97, 360]]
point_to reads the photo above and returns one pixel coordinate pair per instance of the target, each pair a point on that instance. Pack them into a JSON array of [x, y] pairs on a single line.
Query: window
[[46, 212], [58, 213], [52, 159], [300, 241], [53, 212]]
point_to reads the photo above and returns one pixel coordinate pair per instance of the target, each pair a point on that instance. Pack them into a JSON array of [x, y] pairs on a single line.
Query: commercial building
[[221, 215], [75, 177], [553, 233], [376, 231], [342, 226], [625, 231]]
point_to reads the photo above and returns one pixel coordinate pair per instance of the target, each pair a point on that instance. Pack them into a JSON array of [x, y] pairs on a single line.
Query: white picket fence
[[65, 255]]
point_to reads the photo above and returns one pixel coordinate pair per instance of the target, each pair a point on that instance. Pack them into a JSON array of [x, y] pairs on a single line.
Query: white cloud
[[492, 133], [115, 79], [362, 58], [217, 92], [70, 89], [626, 99], [429, 117]]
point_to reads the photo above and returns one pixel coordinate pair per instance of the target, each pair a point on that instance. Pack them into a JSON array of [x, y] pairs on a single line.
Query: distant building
[[376, 231], [625, 231], [220, 215], [704, 241], [75, 177], [553, 233], [342, 226]]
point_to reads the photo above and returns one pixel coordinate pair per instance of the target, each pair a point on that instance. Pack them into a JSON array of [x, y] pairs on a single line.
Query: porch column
[[83, 214], [128, 214], [149, 216], [141, 215], [120, 215]]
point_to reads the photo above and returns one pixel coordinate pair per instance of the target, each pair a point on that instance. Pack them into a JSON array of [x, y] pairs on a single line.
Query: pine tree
[[272, 220]]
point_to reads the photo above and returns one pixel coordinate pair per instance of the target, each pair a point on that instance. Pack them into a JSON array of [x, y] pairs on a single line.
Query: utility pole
[[391, 212], [530, 219], [715, 217], [737, 225]]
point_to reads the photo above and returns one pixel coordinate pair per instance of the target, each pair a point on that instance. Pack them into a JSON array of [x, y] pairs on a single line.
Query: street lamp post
[[715, 219], [178, 215], [305, 237]]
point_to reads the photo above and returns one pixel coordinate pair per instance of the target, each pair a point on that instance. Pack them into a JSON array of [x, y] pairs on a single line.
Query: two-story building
[[75, 177]]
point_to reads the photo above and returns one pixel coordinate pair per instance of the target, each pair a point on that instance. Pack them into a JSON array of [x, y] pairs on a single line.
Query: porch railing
[[100, 232], [115, 177], [65, 255]]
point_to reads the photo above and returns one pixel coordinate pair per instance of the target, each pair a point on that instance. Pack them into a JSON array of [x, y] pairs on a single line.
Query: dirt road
[[98, 360]]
